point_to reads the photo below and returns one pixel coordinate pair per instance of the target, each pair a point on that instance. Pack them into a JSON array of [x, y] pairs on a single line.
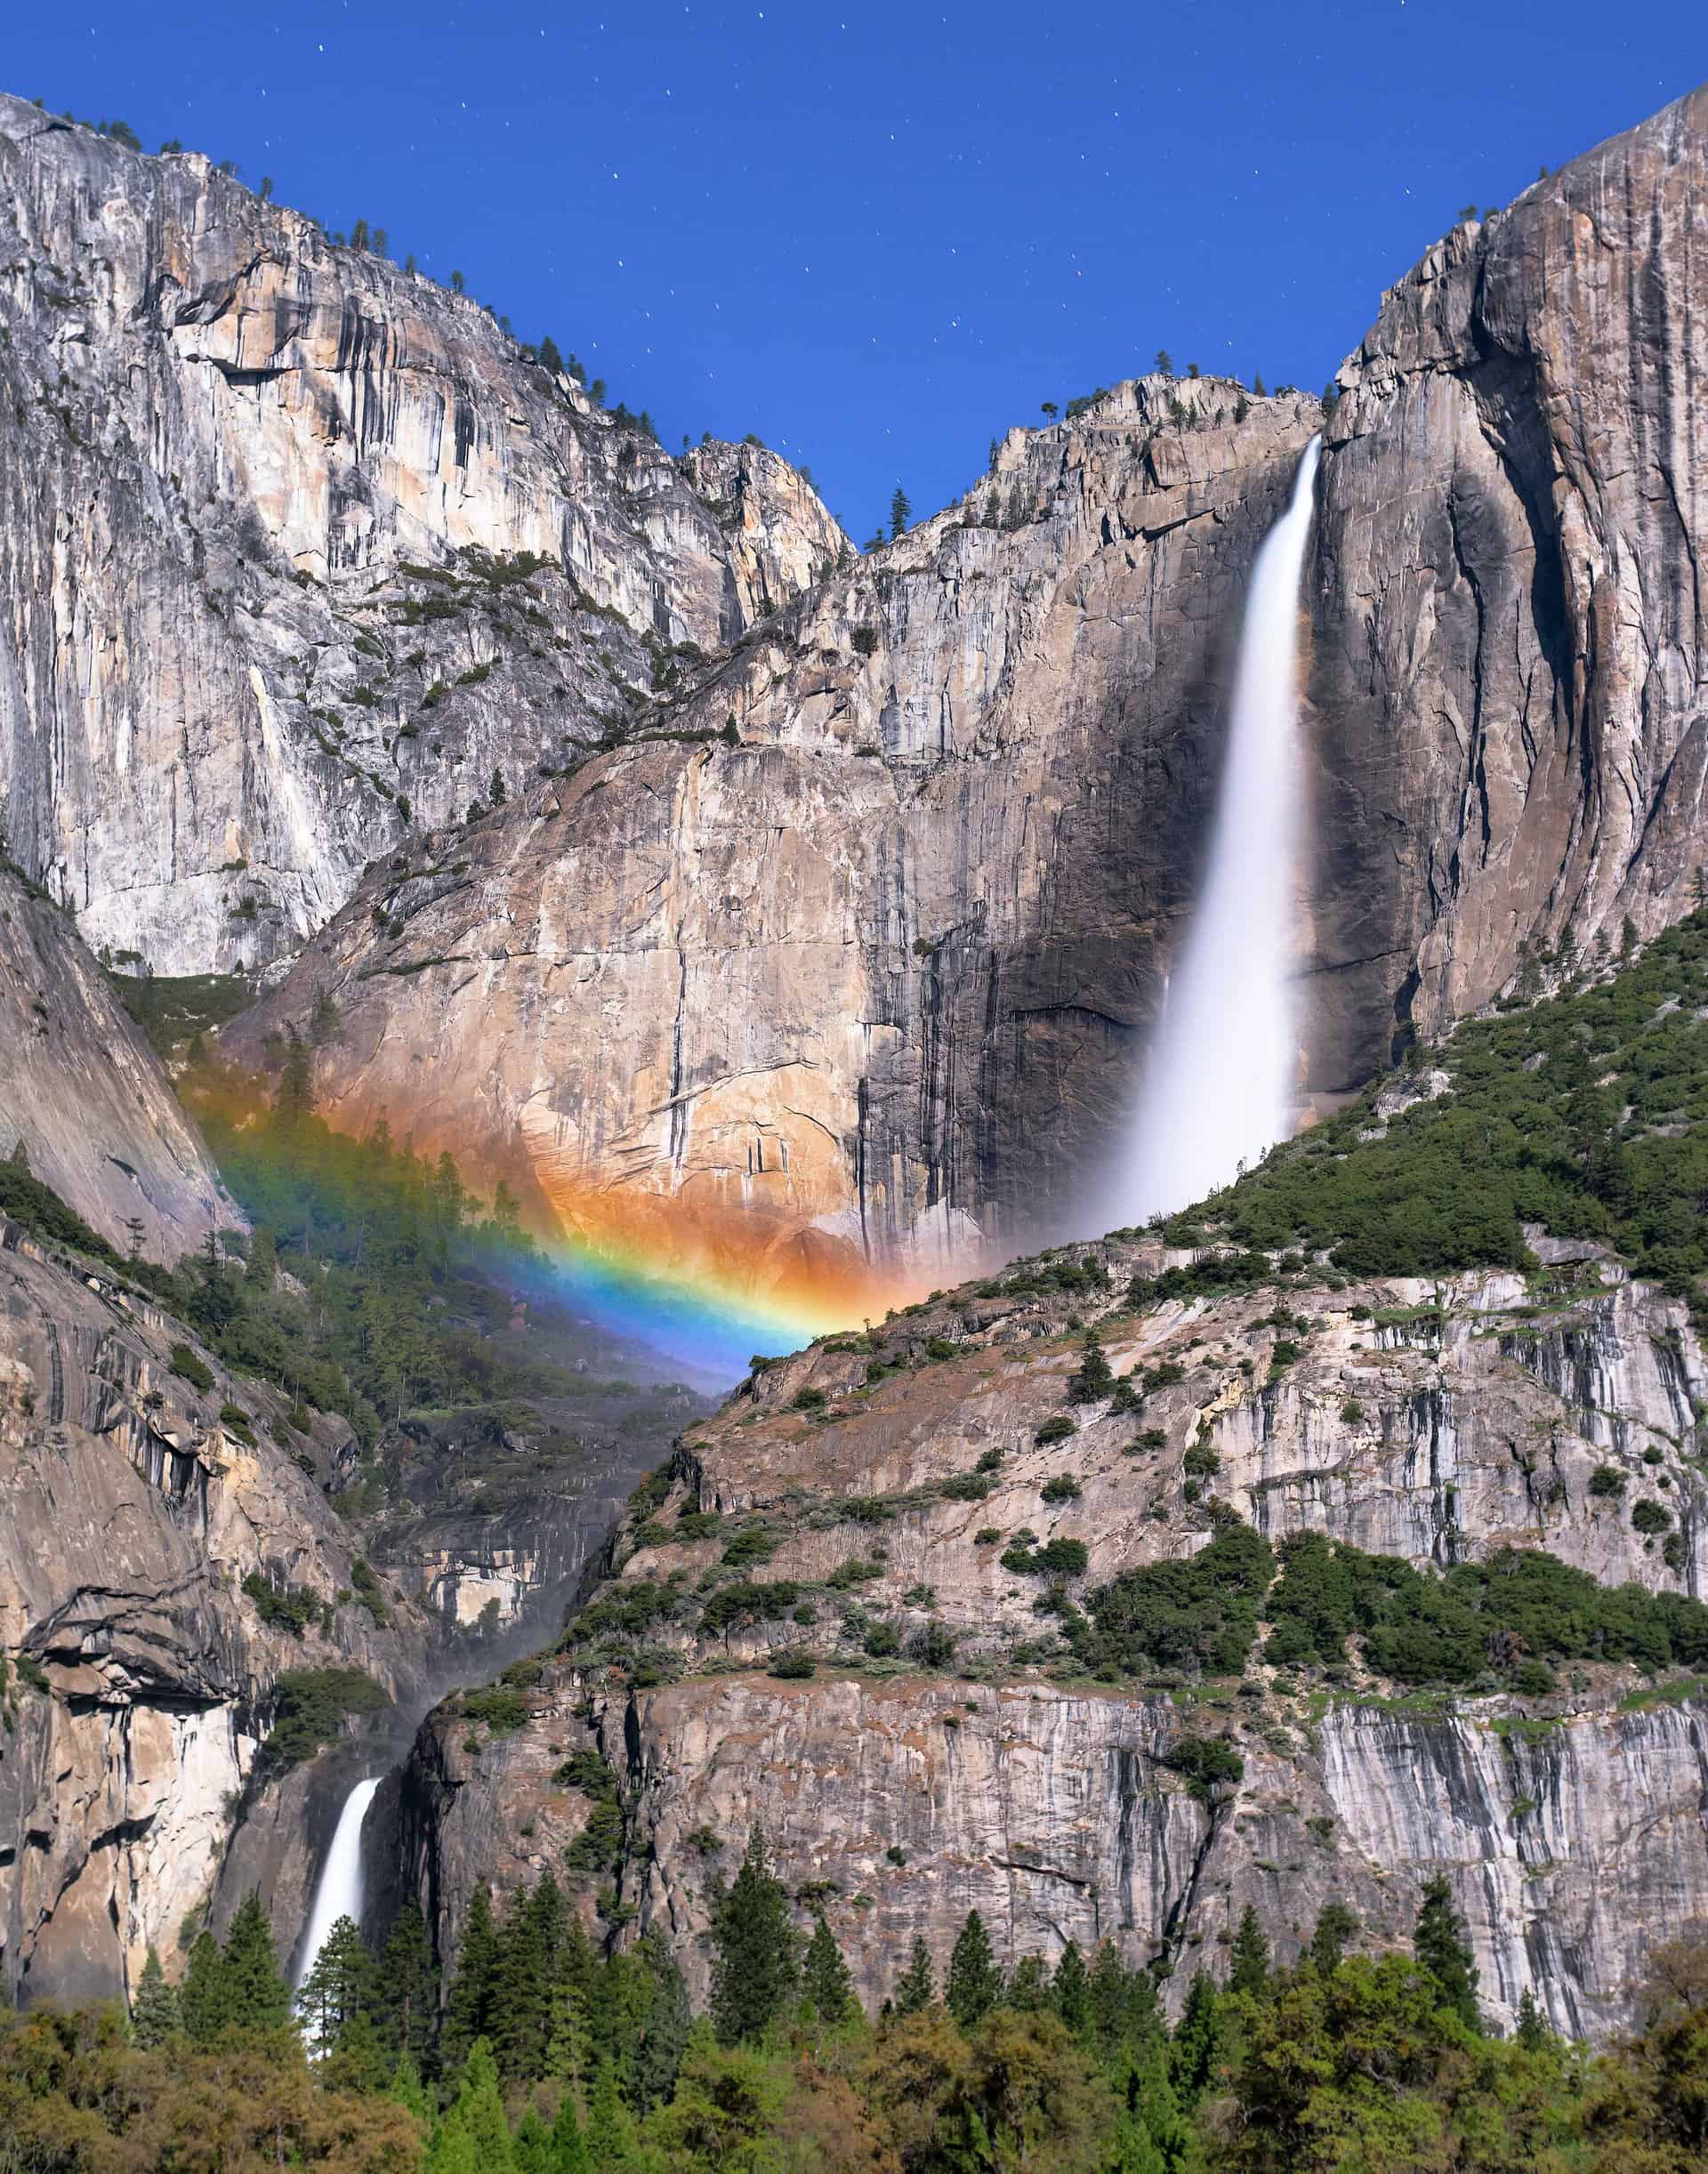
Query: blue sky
[[876, 234]]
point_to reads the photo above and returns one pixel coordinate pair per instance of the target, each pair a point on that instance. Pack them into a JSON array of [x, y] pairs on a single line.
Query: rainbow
[[713, 1325]]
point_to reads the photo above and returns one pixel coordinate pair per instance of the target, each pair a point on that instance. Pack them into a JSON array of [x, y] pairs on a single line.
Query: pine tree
[[755, 1970], [525, 1971], [975, 1983], [916, 1988], [406, 2085], [295, 1098], [469, 2006], [826, 1977], [1070, 1992], [255, 1997], [1532, 2033], [496, 791], [531, 2147], [479, 2106], [901, 512], [325, 1022], [610, 2133], [1165, 363], [1027, 1991], [358, 2061], [201, 2001], [1442, 1950], [1250, 1972], [549, 358], [1337, 1927], [406, 2003], [1198, 2041], [1095, 1377], [1257, 385], [658, 2058], [568, 2148], [340, 1984], [1124, 2017], [154, 2012]]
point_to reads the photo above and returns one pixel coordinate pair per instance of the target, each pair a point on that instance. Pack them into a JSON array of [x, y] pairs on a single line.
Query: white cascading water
[[339, 1893], [1219, 1090]]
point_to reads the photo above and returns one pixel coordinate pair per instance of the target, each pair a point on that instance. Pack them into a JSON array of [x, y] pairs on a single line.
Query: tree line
[[554, 2054]]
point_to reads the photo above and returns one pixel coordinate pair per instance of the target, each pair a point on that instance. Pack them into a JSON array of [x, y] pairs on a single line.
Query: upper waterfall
[[339, 1892], [1219, 1086]]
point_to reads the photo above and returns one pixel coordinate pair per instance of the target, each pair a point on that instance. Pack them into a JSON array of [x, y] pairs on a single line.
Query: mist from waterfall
[[1219, 1086], [339, 1892]]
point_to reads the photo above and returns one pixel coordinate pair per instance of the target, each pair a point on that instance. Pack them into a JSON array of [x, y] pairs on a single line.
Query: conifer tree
[[901, 512], [916, 1988], [609, 2138], [1249, 1971], [826, 1977], [1336, 1928], [405, 2000], [496, 791], [1443, 1950], [531, 2147], [1532, 2033], [568, 2148], [1095, 1377], [405, 2084], [1257, 385], [201, 2001], [339, 1985], [524, 1969], [253, 1995], [469, 2006], [358, 2061], [1070, 1992], [755, 1970], [1198, 2041], [975, 1983], [295, 1098], [480, 2107], [657, 2060], [154, 2012], [1125, 2017]]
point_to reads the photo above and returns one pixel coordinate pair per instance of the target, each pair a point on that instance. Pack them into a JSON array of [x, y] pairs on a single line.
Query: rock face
[[268, 534], [874, 984], [1438, 1422], [1508, 628], [81, 1089], [132, 1511]]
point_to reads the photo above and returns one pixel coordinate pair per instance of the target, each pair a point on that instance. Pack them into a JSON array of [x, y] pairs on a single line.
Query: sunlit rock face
[[228, 443], [1439, 1422], [85, 1096], [826, 1010]]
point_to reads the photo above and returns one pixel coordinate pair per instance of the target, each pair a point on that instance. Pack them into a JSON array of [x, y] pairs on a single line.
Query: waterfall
[[1219, 1090], [339, 1892]]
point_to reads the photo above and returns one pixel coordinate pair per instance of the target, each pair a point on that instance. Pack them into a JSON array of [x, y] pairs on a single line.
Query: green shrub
[[747, 1602], [366, 1588], [502, 1708], [1608, 1481], [1059, 1558], [964, 1487], [1419, 1627], [757, 1544], [188, 1368], [309, 1706], [1062, 1488], [235, 1420], [1057, 1429], [1203, 1762], [1650, 1517], [809, 1400], [289, 1607], [1199, 1614], [794, 1665]]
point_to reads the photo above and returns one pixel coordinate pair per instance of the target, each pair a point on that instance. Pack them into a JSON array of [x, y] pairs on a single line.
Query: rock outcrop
[[84, 1095], [143, 1520], [1438, 1422], [873, 983], [297, 549]]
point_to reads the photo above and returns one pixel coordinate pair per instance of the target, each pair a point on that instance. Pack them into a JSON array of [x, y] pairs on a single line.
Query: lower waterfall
[[1219, 1086], [338, 1893]]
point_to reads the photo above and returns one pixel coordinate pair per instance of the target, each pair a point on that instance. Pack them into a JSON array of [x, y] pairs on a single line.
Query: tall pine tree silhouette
[[826, 1977], [916, 1988], [975, 1983], [1443, 1950], [756, 1968], [154, 2012]]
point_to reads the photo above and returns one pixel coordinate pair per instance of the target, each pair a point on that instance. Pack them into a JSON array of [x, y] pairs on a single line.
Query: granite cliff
[[1436, 1422], [855, 972], [299, 548]]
